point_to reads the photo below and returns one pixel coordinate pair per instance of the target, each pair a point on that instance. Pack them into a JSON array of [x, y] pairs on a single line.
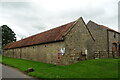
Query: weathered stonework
[[104, 39], [44, 53], [76, 42], [114, 38], [81, 42]]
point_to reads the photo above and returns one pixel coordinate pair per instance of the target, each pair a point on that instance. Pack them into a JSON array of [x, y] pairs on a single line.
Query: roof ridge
[[68, 29], [103, 26], [93, 22], [71, 27], [54, 34], [48, 30]]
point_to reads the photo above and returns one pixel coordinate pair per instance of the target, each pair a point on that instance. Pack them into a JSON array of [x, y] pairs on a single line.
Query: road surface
[[8, 72]]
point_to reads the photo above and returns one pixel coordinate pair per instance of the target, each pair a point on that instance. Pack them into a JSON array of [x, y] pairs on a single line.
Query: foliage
[[100, 68], [8, 35]]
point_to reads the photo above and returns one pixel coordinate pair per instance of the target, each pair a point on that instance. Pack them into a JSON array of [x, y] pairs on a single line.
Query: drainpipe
[[108, 41]]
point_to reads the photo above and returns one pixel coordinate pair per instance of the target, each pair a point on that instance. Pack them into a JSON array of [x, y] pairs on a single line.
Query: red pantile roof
[[107, 28], [104, 27], [52, 35]]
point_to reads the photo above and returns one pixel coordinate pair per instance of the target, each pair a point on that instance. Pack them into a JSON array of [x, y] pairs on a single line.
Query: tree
[[8, 35]]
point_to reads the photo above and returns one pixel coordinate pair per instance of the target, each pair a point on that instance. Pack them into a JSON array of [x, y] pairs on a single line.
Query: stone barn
[[107, 41], [63, 45], [67, 44]]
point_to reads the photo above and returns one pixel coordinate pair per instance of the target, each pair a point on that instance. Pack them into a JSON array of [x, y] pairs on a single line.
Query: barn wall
[[76, 42], [113, 38], [101, 42], [47, 53]]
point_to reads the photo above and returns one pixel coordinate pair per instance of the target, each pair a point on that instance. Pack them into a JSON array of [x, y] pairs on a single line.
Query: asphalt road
[[0, 71], [8, 72]]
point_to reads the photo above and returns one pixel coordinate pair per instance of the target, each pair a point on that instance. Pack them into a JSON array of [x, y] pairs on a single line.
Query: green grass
[[0, 58], [99, 68]]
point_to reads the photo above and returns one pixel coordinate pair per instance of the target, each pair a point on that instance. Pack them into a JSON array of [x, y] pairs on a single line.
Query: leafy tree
[[8, 35]]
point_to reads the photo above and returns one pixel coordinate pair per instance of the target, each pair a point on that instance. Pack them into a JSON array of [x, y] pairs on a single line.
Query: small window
[[114, 35], [114, 46]]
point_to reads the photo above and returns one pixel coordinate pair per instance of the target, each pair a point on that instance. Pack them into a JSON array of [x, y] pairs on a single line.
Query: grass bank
[[0, 58], [99, 68]]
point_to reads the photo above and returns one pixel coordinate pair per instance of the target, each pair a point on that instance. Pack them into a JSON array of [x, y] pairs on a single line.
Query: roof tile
[[55, 34]]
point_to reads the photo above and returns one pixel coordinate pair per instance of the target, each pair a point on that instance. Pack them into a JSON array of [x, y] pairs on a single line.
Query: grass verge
[[0, 58], [99, 68]]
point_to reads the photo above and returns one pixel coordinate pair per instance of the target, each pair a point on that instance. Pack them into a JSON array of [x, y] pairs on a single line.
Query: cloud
[[34, 16], [19, 16]]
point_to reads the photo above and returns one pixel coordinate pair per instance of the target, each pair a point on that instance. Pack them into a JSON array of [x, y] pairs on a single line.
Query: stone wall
[[47, 53], [80, 43], [76, 42], [103, 41], [113, 39], [100, 36]]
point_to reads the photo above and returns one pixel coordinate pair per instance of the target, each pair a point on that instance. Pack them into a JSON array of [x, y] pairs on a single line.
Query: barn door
[[114, 49], [119, 49]]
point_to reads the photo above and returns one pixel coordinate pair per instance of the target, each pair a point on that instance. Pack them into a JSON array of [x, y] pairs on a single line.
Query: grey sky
[[28, 17]]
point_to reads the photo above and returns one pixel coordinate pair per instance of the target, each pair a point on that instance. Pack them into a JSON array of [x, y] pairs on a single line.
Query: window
[[45, 46], [114, 35], [119, 49], [114, 46]]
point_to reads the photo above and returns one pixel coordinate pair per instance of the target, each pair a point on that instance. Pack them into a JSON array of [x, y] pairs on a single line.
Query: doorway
[[114, 49], [119, 50]]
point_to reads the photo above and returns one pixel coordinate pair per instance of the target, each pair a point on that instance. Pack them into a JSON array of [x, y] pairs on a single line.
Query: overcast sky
[[29, 17]]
